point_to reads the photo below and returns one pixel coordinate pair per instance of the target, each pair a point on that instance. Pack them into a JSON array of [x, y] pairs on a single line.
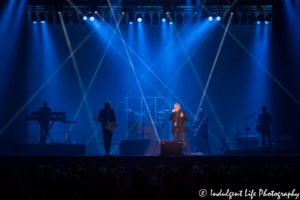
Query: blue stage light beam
[[264, 68], [83, 91], [47, 81], [199, 80], [167, 47], [213, 67], [131, 64], [96, 72]]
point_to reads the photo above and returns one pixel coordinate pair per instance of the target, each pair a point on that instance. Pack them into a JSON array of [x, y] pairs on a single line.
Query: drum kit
[[146, 130]]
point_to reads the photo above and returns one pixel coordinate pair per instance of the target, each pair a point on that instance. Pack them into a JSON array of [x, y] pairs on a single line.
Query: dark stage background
[[36, 67]]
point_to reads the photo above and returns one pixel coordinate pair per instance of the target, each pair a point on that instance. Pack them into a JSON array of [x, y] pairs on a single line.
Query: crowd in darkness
[[163, 183]]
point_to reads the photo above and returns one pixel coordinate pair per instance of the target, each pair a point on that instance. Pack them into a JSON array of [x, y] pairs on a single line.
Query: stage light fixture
[[42, 18], [50, 18], [267, 22], [90, 16], [84, 18], [252, 19], [154, 18], [74, 18], [210, 18], [163, 17], [235, 18], [179, 18], [171, 18], [33, 17], [268, 18], [244, 19], [139, 17], [218, 18], [131, 18], [147, 18], [260, 18], [66, 18]]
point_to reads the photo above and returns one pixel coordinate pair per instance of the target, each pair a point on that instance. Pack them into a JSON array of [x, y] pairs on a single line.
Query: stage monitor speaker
[[170, 148]]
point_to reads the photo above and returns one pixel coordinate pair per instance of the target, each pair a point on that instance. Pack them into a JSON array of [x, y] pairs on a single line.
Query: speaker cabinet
[[170, 148]]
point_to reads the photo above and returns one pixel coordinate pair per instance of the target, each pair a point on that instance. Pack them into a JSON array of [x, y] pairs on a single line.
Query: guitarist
[[201, 136], [107, 114], [265, 119]]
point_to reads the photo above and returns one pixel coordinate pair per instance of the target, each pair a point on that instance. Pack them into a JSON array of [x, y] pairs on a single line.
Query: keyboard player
[[44, 123]]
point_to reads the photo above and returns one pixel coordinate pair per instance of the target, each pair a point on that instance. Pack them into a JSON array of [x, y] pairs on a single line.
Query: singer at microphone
[[178, 118]]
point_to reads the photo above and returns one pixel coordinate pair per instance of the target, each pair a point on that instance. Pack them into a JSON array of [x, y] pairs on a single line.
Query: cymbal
[[128, 110], [160, 112]]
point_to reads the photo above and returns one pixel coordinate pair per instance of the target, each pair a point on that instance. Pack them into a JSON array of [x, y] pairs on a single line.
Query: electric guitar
[[110, 126], [260, 128]]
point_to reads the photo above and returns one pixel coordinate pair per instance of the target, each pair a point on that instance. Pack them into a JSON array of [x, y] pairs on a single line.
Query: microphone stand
[[247, 128]]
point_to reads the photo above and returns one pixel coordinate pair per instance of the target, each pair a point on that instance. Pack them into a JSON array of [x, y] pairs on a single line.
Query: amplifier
[[170, 148]]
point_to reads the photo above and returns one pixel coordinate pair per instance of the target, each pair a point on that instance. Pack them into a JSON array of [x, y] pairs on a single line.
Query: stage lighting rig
[[91, 16], [268, 18], [260, 18], [179, 18], [171, 18], [130, 18], [42, 18], [139, 17], [163, 17], [33, 17]]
